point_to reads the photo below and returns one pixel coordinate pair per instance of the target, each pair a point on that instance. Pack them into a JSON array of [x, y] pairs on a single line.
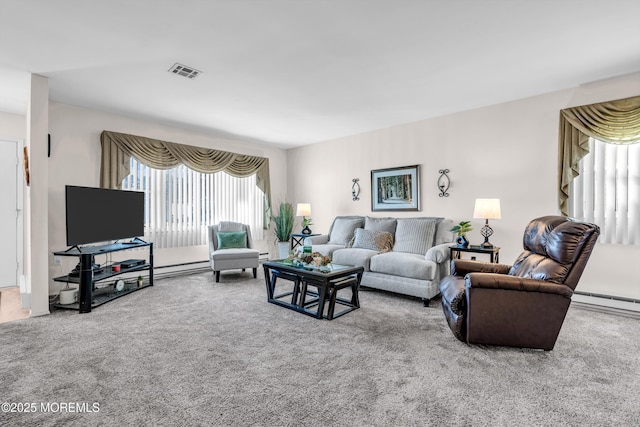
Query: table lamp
[[304, 210], [487, 209]]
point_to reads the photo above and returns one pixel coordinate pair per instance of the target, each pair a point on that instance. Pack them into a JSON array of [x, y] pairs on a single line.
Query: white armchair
[[231, 247]]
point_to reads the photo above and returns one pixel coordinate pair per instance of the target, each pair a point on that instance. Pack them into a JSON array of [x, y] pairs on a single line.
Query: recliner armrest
[[515, 283], [461, 267]]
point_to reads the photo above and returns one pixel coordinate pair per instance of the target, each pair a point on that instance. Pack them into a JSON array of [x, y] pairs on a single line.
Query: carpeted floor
[[193, 352]]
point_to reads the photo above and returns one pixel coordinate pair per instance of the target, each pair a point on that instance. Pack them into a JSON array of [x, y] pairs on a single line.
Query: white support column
[[37, 197]]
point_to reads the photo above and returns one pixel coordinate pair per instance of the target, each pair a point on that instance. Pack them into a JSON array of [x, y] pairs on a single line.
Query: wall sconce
[[355, 189], [443, 182]]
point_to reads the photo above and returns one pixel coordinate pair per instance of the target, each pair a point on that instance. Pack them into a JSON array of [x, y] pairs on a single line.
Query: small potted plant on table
[[461, 230]]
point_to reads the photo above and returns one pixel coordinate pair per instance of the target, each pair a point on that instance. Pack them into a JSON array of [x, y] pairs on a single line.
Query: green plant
[[306, 221], [284, 222], [462, 228]]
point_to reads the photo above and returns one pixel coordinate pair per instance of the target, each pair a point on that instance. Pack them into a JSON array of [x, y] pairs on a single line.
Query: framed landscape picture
[[395, 189]]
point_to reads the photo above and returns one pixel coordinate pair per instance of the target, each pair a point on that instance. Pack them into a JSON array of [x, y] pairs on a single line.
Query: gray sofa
[[412, 263]]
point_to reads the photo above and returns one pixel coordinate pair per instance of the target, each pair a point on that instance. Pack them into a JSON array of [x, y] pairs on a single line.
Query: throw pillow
[[381, 241], [232, 240], [414, 235], [343, 229], [380, 224], [443, 232]]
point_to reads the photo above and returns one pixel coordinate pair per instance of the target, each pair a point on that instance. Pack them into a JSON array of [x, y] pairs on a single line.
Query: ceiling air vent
[[183, 70]]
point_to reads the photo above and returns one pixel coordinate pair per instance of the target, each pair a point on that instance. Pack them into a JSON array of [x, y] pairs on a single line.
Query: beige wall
[[75, 160], [13, 126], [508, 151]]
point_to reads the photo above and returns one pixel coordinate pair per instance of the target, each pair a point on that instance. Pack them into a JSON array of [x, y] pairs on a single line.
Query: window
[[181, 203], [607, 191]]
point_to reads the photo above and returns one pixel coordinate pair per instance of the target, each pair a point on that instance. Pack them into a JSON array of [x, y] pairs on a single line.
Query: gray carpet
[[193, 352]]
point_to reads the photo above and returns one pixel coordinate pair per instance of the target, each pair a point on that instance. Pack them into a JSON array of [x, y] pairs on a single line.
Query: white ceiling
[[293, 72]]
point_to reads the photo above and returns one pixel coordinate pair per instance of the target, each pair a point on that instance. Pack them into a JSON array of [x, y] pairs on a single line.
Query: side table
[[494, 252], [298, 239]]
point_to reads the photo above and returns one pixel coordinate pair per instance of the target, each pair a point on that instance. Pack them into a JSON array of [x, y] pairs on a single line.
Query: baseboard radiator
[[607, 303], [172, 270]]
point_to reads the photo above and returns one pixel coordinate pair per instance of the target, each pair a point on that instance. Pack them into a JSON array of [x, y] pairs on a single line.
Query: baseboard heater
[[172, 270], [607, 303], [192, 267], [609, 297]]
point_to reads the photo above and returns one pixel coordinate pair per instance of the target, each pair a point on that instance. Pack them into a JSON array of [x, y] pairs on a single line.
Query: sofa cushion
[[235, 254], [381, 224], [343, 229], [404, 265], [354, 256], [415, 235], [380, 241]]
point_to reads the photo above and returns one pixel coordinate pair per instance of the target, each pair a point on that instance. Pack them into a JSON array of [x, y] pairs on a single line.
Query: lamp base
[[486, 232]]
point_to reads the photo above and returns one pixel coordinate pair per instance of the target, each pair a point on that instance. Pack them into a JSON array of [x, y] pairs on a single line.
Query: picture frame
[[395, 189]]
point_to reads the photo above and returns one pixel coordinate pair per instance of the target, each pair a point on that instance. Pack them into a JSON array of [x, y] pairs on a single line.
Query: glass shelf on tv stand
[[87, 278], [105, 297]]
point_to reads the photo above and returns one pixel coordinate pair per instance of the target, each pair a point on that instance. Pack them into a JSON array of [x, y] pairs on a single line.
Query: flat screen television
[[100, 214]]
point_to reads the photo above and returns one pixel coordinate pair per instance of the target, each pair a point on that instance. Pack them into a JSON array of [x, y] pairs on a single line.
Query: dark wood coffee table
[[326, 281]]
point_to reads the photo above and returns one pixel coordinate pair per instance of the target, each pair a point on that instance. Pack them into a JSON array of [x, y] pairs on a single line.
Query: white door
[[9, 213]]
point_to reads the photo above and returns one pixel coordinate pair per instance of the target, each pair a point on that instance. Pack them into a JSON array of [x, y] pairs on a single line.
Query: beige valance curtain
[[118, 148], [615, 122]]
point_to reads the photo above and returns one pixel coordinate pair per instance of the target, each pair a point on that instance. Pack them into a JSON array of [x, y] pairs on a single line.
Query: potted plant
[[306, 222], [461, 230], [283, 226], [139, 281]]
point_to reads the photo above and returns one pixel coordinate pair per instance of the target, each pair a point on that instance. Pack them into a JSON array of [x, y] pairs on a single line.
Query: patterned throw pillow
[[415, 235], [381, 241], [233, 240]]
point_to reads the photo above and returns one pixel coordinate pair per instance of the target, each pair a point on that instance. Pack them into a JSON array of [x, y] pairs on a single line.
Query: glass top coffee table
[[325, 281]]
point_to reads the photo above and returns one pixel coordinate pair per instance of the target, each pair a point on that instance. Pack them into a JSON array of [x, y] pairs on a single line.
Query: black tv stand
[[134, 241], [87, 276]]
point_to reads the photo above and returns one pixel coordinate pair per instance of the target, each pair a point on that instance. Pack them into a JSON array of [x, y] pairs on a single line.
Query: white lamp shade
[[487, 209], [303, 209]]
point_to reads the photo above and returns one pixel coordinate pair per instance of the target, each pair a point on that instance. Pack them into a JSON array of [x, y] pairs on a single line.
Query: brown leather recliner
[[523, 305]]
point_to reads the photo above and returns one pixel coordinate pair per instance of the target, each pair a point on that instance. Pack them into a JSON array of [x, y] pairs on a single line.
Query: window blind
[[607, 191], [181, 203]]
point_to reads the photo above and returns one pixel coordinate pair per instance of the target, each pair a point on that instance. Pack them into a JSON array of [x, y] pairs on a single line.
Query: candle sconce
[[443, 182], [355, 189]]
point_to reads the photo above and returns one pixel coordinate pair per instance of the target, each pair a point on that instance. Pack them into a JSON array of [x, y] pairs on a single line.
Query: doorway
[[11, 243]]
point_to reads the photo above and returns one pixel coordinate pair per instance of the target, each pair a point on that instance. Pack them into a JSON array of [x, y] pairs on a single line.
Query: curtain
[[615, 122], [118, 148]]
